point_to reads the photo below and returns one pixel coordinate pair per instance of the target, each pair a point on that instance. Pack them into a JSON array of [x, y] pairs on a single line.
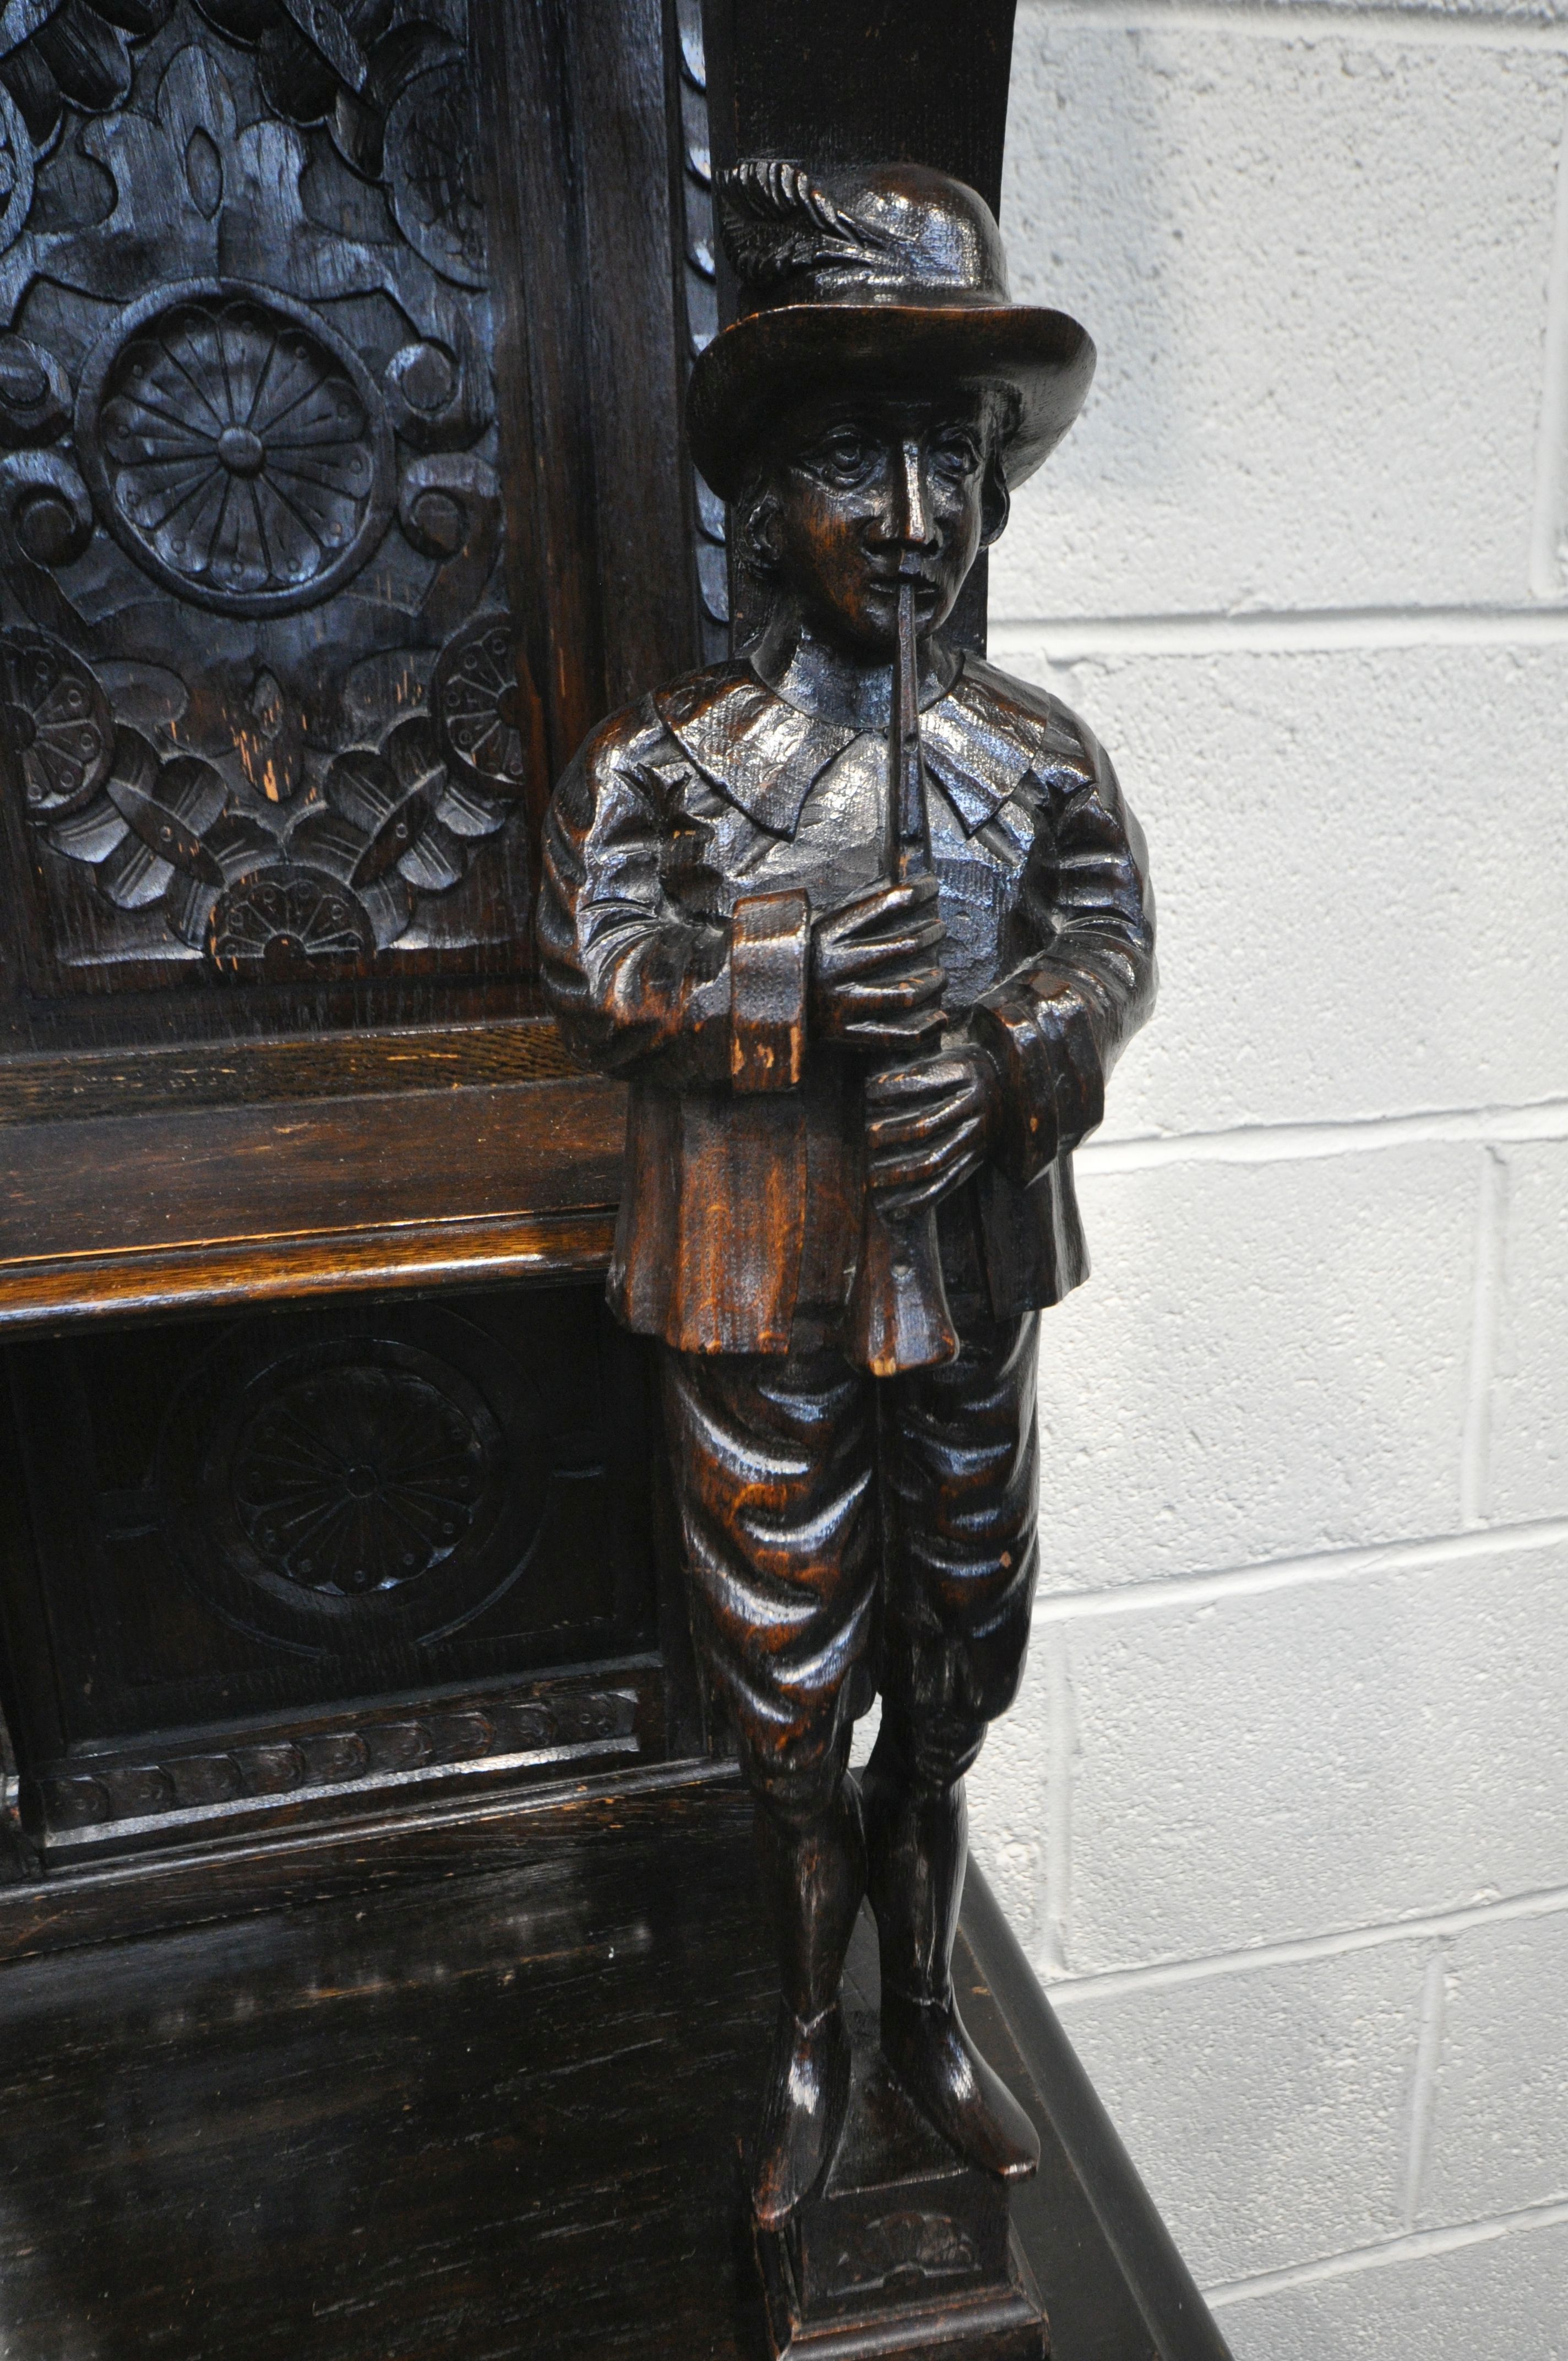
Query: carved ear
[[774, 220], [995, 502], [755, 527]]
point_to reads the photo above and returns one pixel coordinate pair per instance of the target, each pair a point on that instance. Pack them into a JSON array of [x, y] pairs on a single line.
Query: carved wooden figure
[[865, 924]]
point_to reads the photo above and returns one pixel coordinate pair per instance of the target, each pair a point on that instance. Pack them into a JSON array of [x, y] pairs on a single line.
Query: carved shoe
[[924, 2043], [803, 2114]]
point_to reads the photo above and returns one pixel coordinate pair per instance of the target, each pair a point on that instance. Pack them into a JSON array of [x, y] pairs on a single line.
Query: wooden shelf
[[229, 1205]]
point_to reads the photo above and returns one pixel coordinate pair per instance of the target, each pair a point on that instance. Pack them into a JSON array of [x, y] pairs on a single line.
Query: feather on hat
[[893, 278]]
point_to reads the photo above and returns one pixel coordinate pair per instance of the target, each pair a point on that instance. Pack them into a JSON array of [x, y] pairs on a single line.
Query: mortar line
[[1070, 639], [1475, 1449], [1281, 1143], [1424, 2089], [1061, 1744], [1419, 1555], [1547, 519], [1302, 1950], [1311, 20], [1414, 2246]]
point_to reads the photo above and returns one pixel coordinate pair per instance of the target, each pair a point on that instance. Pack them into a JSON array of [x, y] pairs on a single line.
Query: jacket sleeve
[[640, 985], [1056, 1025]]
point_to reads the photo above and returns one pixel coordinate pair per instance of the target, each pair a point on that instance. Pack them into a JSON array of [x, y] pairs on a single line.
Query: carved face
[[868, 490]]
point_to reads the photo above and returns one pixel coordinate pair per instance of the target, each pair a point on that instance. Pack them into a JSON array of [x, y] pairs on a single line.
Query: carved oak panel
[[260, 712], [243, 1538]]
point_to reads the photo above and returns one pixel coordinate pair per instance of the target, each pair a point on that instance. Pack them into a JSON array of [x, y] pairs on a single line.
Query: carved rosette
[[251, 460], [321, 1475], [235, 447], [360, 1477]]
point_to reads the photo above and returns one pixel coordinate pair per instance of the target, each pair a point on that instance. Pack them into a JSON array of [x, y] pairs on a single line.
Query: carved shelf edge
[[154, 1211], [67, 1288], [133, 1796], [71, 1086]]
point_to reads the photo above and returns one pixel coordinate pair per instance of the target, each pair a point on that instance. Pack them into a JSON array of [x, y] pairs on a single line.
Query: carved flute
[[898, 1312]]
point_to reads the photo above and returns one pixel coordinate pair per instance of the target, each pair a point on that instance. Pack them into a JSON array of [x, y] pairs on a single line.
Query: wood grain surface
[[115, 1215], [492, 2113]]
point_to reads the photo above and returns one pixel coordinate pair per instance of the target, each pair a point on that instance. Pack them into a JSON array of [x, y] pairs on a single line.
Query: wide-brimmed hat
[[890, 277]]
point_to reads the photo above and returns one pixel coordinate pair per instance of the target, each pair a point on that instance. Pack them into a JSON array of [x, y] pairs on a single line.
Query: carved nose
[[915, 503], [242, 452]]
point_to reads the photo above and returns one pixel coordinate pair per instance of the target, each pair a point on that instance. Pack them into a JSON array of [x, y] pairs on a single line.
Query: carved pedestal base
[[902, 2248]]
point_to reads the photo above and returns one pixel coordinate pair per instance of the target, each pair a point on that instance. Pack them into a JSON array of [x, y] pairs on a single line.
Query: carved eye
[[955, 453], [845, 458]]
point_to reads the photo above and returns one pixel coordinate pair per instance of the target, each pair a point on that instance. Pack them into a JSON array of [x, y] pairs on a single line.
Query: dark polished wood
[[864, 926], [282, 689], [17, 1859], [491, 2105], [297, 1563], [913, 80], [386, 1957], [115, 1214]]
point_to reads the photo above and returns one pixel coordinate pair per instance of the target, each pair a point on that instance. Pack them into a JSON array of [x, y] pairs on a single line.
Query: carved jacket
[[685, 849]]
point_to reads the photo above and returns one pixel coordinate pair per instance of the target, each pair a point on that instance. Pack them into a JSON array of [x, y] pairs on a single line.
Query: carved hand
[[929, 1125], [875, 982]]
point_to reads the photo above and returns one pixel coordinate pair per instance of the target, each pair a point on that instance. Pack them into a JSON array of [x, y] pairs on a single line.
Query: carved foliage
[[254, 672]]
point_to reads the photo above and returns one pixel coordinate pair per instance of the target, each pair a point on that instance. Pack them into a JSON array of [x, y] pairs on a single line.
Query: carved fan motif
[[243, 453], [57, 722], [277, 926], [357, 1478], [479, 706]]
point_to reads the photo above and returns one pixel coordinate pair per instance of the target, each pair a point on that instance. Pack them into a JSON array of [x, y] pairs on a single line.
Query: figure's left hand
[[928, 1125]]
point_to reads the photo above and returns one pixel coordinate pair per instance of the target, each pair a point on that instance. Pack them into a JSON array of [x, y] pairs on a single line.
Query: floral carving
[[16, 171], [478, 706], [359, 1478], [394, 820], [75, 55], [227, 407], [265, 906], [273, 928], [57, 722], [433, 173], [162, 833], [236, 448]]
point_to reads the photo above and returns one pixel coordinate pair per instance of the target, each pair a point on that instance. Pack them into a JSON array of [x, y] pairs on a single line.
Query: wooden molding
[[172, 1210], [61, 1290]]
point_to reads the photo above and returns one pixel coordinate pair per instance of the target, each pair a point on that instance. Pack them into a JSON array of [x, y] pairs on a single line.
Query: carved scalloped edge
[[699, 301], [366, 1756]]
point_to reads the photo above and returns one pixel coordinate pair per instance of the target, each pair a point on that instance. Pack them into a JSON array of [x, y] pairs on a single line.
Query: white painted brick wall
[[1282, 1812]]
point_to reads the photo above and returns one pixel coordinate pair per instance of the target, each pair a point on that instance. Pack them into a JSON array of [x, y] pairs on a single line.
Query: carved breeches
[[842, 1531]]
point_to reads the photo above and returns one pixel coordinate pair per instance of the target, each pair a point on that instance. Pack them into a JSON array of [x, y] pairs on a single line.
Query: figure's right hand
[[876, 984]]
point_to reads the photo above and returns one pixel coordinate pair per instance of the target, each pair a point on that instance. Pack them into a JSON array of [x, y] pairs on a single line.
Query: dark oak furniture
[[365, 1862], [468, 2082]]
